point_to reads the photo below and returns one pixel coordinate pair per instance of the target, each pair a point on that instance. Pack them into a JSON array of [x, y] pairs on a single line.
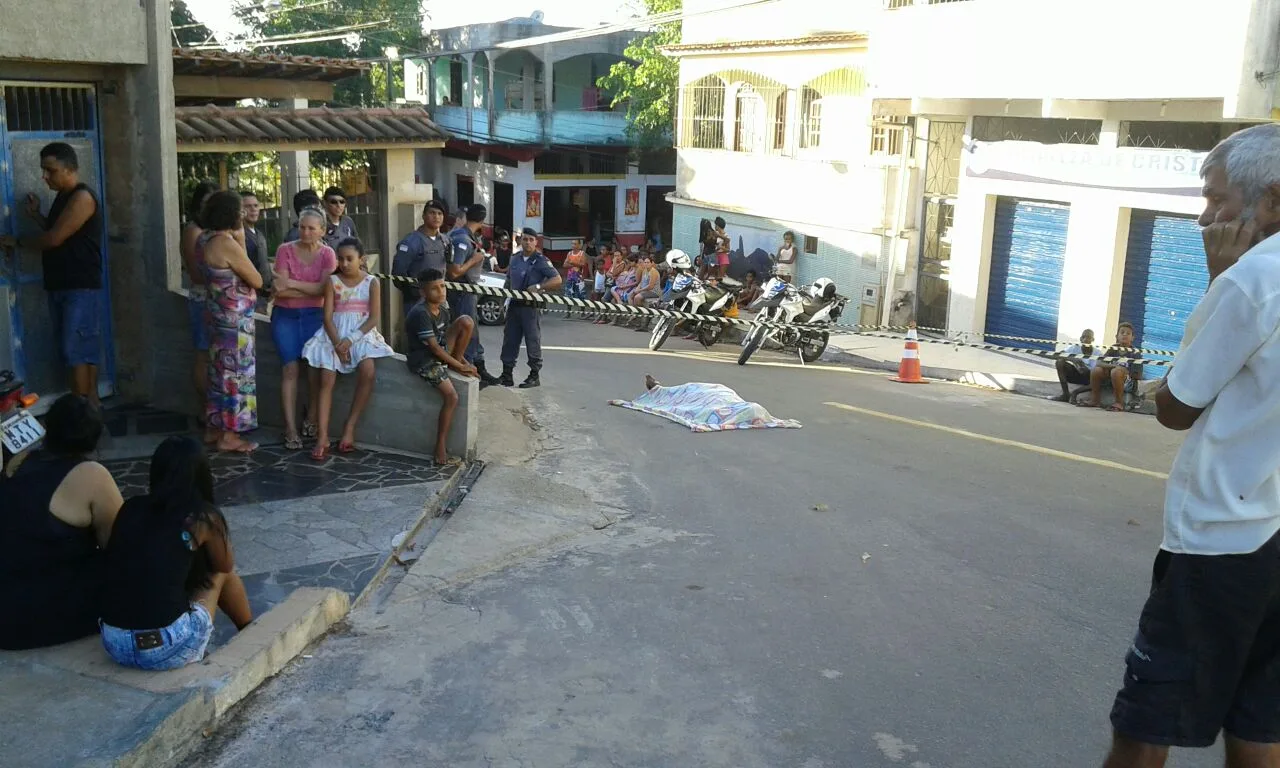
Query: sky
[[217, 14]]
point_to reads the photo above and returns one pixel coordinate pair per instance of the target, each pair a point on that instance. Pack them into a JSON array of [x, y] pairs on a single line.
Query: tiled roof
[[187, 61], [302, 128], [800, 42]]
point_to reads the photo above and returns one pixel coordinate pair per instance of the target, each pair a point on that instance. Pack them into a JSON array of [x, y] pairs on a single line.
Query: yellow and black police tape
[[879, 331]]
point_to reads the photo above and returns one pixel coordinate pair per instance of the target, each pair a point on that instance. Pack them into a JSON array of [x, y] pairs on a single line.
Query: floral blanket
[[705, 408]]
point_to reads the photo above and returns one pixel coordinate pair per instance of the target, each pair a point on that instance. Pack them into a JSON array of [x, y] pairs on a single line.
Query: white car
[[490, 309]]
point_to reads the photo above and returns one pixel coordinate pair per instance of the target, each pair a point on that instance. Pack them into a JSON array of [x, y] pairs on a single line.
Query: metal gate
[[941, 185], [31, 116], [1027, 254], [1164, 278]]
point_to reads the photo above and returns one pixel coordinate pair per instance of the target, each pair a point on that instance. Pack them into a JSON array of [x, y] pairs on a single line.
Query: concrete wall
[[860, 194], [402, 414], [99, 31], [852, 259], [774, 21], [1087, 50]]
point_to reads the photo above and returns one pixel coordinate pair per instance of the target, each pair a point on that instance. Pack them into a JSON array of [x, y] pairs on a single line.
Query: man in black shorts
[[1072, 370], [436, 341], [1206, 657]]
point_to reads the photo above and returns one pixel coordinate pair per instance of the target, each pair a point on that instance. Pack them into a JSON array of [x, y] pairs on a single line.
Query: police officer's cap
[[529, 232], [435, 205], [476, 212]]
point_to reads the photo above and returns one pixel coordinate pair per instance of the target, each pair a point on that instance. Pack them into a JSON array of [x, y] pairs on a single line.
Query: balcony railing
[[514, 126]]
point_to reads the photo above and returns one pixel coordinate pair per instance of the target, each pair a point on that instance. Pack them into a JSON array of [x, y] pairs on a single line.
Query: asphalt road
[[870, 590]]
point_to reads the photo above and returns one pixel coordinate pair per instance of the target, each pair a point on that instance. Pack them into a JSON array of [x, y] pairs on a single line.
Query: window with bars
[[702, 114], [810, 118], [888, 136], [48, 108], [748, 120], [1042, 130], [780, 122], [1175, 135]]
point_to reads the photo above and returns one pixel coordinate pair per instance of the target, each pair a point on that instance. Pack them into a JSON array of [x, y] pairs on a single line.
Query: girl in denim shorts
[[169, 566]]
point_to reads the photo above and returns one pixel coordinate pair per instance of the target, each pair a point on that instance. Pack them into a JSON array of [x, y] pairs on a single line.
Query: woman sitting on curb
[[169, 566], [57, 512]]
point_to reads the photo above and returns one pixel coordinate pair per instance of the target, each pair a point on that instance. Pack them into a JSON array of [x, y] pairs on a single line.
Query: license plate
[[21, 432]]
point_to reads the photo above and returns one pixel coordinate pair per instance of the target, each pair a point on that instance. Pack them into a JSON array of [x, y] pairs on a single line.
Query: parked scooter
[[689, 294], [18, 427], [781, 302]]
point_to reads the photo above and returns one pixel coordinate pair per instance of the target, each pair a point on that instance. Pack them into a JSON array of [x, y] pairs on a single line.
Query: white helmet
[[823, 288], [678, 259]]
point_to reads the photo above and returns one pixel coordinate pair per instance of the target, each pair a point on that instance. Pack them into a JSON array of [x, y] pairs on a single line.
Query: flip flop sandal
[[245, 447], [452, 461], [309, 430], [320, 452], [293, 443], [346, 448]]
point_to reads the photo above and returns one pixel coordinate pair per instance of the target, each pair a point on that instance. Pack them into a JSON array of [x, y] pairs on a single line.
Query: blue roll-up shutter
[[1027, 253], [1164, 278]]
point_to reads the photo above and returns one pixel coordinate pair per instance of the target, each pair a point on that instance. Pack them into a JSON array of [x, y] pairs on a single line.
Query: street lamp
[[392, 53]]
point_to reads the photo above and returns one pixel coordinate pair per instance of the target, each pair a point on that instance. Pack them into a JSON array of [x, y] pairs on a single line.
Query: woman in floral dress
[[232, 280]]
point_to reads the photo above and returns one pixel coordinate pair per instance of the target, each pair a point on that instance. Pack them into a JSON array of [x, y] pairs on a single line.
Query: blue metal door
[[1164, 277], [31, 116], [1027, 253]]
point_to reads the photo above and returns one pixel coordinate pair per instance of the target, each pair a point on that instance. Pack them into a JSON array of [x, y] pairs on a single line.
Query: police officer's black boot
[[532, 381], [486, 379], [508, 379]]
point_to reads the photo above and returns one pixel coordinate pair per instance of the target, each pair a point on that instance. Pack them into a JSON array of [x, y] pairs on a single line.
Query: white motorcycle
[[689, 294], [782, 303]]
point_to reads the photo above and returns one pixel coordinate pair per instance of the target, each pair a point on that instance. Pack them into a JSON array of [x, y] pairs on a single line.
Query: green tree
[[403, 29], [647, 82], [186, 30]]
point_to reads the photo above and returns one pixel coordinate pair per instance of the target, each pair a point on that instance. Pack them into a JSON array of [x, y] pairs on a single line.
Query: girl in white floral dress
[[349, 341]]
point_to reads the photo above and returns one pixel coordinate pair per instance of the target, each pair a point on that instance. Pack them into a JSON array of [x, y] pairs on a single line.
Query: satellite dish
[[537, 16]]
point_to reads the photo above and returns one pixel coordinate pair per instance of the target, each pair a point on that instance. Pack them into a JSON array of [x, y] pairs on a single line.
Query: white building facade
[[1068, 147], [776, 132]]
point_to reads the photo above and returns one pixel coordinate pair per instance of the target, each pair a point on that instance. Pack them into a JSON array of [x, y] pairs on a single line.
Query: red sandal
[[345, 447], [320, 452]]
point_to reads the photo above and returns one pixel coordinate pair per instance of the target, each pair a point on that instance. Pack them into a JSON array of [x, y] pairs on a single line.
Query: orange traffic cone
[[909, 367]]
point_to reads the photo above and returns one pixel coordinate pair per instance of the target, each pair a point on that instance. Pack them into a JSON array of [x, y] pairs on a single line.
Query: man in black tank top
[[71, 247]]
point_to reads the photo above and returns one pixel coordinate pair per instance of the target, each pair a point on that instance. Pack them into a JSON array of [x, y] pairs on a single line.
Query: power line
[[298, 38]]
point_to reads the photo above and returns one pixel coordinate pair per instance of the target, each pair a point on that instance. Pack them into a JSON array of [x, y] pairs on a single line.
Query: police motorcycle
[[689, 294], [781, 304]]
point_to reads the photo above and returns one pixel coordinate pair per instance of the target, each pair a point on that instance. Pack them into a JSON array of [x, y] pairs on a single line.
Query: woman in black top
[[169, 566], [56, 512]]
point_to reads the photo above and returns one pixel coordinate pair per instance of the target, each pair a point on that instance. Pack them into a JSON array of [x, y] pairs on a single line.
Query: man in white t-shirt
[[1206, 657]]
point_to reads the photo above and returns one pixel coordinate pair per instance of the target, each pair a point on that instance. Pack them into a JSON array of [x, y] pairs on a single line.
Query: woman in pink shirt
[[302, 270]]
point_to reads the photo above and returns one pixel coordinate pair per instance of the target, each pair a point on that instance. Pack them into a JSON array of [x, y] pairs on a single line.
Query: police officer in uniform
[[424, 248], [465, 267], [529, 271]]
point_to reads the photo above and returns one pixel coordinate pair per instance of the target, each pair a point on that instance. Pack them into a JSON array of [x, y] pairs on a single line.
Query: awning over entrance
[[219, 77], [266, 129]]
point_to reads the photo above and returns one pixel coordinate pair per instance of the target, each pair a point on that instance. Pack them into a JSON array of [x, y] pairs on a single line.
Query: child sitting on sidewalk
[[436, 342], [348, 341]]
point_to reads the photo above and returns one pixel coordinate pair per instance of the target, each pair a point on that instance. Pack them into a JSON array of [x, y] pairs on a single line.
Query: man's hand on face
[[33, 205], [1225, 242]]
